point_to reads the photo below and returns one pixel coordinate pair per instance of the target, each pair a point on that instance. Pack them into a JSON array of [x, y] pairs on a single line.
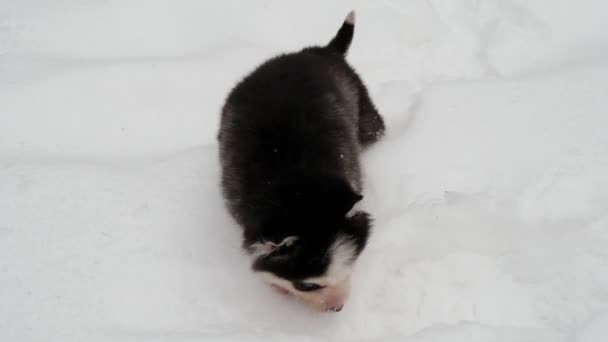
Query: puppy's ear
[[343, 198], [265, 247], [350, 201]]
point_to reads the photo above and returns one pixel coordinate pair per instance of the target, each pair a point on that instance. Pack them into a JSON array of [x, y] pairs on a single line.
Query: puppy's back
[[291, 117]]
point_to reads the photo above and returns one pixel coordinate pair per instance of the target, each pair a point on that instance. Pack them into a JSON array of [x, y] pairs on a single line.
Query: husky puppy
[[290, 137]]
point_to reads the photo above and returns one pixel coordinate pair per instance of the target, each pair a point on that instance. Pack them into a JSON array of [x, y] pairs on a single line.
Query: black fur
[[290, 137], [341, 42]]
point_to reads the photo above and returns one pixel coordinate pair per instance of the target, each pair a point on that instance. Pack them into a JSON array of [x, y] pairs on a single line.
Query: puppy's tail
[[341, 42]]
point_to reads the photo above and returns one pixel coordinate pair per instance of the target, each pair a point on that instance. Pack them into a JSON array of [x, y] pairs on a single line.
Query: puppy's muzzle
[[331, 298]]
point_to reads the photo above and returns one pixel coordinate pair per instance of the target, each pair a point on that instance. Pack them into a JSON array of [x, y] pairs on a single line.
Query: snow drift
[[490, 191]]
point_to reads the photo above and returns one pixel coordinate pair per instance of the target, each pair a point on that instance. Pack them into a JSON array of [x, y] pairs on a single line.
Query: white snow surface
[[490, 191]]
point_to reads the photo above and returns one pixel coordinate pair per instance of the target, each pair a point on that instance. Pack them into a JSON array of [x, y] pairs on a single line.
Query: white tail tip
[[350, 18]]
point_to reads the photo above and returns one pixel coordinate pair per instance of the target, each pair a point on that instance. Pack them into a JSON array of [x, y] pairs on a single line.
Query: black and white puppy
[[290, 138]]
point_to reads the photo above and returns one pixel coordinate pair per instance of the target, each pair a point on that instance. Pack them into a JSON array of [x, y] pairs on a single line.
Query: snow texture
[[490, 191]]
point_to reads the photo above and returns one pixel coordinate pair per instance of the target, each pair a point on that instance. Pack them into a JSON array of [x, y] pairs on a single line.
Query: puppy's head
[[310, 251]]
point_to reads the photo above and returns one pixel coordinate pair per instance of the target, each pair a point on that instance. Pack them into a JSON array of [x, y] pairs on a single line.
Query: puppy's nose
[[337, 308]]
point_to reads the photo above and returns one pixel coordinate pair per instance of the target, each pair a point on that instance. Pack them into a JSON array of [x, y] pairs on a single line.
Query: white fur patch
[[350, 18], [355, 209], [343, 253], [273, 279], [259, 249]]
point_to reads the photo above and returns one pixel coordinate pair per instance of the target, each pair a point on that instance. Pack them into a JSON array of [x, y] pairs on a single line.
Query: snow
[[596, 330], [489, 193]]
